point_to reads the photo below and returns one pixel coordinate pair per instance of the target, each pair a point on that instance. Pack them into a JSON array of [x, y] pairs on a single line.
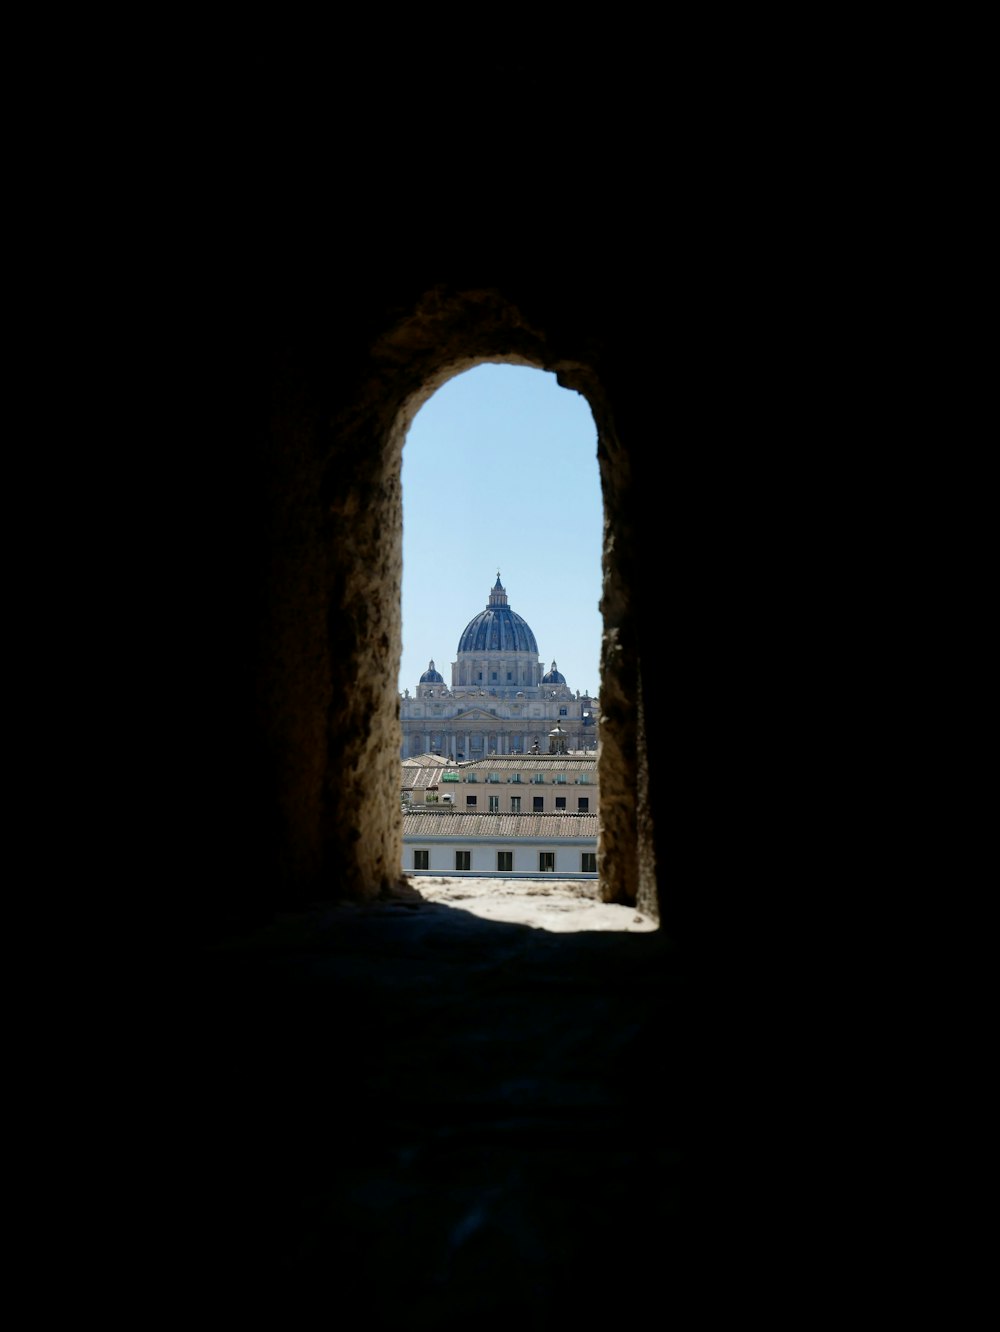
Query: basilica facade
[[501, 700]]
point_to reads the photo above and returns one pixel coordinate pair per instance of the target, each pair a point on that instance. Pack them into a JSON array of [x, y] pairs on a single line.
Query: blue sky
[[500, 473]]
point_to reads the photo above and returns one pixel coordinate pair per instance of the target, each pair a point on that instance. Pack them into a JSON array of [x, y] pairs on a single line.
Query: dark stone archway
[[324, 725]]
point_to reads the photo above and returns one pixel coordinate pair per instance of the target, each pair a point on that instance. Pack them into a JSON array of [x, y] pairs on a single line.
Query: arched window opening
[[502, 627]]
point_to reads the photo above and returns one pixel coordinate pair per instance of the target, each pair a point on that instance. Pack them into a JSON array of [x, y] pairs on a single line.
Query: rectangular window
[[560, 777], [538, 803], [583, 804], [470, 801], [562, 712], [560, 802], [510, 675], [472, 777], [421, 859], [515, 804], [493, 675], [505, 860], [515, 777], [462, 859], [493, 777], [588, 862], [494, 804], [547, 861], [538, 778], [583, 779]]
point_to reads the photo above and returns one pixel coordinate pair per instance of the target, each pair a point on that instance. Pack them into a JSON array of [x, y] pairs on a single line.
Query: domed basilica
[[501, 699]]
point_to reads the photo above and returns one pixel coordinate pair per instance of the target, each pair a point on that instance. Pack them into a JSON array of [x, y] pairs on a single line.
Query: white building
[[504, 784], [501, 699], [445, 841]]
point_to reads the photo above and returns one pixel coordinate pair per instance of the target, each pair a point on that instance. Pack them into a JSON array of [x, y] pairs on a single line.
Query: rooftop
[[450, 822], [527, 762]]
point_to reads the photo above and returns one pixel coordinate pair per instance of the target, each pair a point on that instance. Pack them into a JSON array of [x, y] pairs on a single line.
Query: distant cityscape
[[499, 768], [501, 699]]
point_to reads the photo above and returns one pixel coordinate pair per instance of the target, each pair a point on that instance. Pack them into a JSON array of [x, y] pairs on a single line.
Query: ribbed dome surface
[[497, 628], [553, 676], [431, 676]]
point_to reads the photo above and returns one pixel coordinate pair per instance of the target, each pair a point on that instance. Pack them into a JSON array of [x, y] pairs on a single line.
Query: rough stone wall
[[340, 405]]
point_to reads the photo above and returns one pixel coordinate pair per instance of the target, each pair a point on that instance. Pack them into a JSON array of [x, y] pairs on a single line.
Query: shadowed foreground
[[434, 1118]]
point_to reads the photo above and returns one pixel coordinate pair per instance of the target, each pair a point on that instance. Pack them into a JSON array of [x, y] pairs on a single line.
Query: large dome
[[497, 628], [432, 676]]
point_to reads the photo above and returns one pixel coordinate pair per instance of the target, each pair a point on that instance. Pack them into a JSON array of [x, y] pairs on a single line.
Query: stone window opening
[[457, 335], [322, 737]]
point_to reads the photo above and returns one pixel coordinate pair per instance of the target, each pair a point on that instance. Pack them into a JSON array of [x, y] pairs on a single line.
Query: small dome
[[553, 677], [431, 676]]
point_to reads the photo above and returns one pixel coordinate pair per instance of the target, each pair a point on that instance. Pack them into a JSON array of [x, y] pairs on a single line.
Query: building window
[[583, 779], [588, 862], [515, 777], [494, 804], [560, 777], [547, 862], [510, 675], [538, 778], [462, 859], [505, 860], [583, 804], [493, 777], [431, 798], [472, 777], [493, 675], [421, 859], [470, 801], [560, 802], [515, 804], [562, 712], [538, 803]]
